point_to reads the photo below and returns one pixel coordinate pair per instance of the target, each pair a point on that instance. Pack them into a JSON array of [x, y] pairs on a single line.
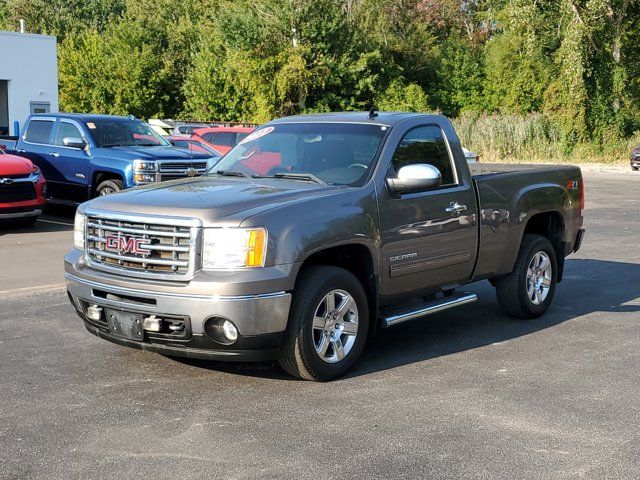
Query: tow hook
[[177, 327]]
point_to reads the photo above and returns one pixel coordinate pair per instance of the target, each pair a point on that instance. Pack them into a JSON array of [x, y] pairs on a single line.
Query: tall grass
[[533, 138]]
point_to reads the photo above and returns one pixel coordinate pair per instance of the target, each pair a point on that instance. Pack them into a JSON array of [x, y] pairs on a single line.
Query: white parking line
[[57, 223], [19, 292]]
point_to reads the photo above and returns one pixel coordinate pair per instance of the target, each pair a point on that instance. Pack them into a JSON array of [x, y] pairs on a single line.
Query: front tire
[[328, 324], [109, 186], [528, 291]]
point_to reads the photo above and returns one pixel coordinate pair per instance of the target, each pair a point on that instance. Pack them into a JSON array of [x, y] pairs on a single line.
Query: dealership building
[[28, 78]]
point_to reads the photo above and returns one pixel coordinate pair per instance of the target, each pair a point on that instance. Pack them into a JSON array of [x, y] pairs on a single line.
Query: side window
[[67, 130], [225, 139], [209, 137], [425, 144], [38, 131]]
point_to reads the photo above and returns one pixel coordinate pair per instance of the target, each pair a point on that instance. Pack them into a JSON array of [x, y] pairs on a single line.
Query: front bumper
[[21, 212], [261, 319]]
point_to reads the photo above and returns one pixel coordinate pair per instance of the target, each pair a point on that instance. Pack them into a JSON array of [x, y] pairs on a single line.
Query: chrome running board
[[428, 308]]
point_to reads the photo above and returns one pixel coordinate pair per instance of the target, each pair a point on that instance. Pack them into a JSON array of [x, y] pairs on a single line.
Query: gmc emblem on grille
[[126, 244]]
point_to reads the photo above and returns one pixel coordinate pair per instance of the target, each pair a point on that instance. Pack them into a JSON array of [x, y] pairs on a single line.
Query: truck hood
[[152, 153], [14, 165], [216, 201]]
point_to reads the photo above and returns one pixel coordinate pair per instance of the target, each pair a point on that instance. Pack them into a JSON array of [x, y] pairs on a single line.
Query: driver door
[[72, 163], [425, 242]]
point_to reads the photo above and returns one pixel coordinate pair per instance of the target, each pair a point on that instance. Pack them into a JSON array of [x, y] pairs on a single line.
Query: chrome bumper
[[252, 314]]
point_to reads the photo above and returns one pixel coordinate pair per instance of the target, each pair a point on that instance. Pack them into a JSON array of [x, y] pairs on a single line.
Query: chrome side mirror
[[415, 178], [74, 142]]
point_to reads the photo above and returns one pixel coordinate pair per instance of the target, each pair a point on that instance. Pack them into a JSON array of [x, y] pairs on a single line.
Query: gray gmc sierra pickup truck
[[312, 234]]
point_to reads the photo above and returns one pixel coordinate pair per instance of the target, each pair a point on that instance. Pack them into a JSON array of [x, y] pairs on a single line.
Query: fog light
[[144, 178], [230, 330], [151, 324], [94, 312]]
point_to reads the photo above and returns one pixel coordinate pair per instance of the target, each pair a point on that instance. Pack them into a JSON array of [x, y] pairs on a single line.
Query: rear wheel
[[528, 291], [109, 186], [328, 324]]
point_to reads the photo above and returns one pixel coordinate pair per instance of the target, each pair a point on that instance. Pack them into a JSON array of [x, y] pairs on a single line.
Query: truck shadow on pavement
[[588, 286]]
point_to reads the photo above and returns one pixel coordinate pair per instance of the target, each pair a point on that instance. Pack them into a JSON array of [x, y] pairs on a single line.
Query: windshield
[[118, 132], [337, 153]]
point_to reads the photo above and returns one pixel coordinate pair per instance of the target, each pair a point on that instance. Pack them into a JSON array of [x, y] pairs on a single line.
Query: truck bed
[[508, 196]]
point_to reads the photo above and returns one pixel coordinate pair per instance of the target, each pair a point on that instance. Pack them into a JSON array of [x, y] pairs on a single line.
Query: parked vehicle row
[[313, 233], [84, 156]]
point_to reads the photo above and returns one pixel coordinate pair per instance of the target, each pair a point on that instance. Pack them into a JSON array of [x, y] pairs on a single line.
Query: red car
[[193, 144], [222, 139], [22, 189]]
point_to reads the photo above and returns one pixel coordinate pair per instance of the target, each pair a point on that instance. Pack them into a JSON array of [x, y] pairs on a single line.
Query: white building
[[28, 77]]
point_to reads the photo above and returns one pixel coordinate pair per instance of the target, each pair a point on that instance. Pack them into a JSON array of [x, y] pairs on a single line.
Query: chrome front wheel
[[328, 324], [335, 326]]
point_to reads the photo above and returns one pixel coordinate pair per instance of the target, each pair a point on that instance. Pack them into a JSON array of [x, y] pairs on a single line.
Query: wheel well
[[99, 177], [550, 225], [356, 259]]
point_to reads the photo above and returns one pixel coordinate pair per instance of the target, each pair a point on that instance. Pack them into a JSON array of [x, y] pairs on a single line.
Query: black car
[[635, 158]]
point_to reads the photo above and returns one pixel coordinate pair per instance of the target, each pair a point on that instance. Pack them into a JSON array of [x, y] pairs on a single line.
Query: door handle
[[21, 151], [455, 207], [54, 154]]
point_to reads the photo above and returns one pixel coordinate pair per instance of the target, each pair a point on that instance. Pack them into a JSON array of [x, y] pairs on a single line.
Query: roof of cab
[[382, 118]]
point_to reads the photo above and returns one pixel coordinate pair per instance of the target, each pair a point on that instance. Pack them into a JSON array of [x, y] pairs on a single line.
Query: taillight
[[577, 185]]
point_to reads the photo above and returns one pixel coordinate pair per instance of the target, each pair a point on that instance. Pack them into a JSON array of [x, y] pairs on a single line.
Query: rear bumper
[[578, 242]]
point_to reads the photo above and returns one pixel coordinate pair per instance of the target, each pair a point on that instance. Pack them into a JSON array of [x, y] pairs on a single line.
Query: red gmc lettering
[[127, 244]]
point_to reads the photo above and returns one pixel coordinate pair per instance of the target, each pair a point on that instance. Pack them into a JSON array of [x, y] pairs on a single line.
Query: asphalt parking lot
[[468, 393]]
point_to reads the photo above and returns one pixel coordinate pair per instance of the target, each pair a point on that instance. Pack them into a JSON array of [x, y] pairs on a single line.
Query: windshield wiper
[[232, 173], [309, 177]]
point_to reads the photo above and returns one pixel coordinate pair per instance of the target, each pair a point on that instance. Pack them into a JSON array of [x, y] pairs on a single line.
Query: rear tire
[[328, 324], [109, 186], [528, 291]]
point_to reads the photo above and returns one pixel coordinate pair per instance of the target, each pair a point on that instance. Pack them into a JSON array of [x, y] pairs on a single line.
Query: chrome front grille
[[169, 170], [156, 249]]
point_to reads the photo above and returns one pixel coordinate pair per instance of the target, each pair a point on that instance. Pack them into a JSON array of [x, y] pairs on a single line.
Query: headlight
[[144, 166], [35, 173], [234, 247], [78, 231]]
